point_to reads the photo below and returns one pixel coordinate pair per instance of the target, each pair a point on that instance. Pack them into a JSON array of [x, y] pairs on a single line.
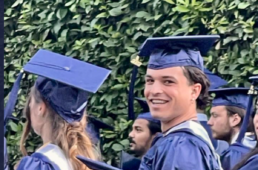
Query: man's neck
[[191, 115], [234, 136]]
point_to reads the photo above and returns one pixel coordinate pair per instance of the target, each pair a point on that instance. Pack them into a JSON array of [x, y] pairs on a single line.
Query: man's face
[[220, 123], [168, 93], [140, 137]]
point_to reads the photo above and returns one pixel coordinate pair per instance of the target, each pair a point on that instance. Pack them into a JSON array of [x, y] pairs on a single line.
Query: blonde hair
[[71, 138]]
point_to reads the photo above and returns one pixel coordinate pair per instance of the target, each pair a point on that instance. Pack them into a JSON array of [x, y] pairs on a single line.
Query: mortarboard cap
[[215, 80], [165, 52], [63, 81], [93, 127], [237, 97], [147, 116], [96, 165]]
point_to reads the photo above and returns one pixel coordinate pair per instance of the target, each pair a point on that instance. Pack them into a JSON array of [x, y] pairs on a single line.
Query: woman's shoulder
[[37, 161], [48, 157]]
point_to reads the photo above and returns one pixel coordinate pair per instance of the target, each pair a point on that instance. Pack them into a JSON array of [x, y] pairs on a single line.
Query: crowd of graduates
[[171, 133]]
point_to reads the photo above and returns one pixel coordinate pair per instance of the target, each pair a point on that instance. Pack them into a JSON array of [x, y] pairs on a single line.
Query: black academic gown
[[181, 150]]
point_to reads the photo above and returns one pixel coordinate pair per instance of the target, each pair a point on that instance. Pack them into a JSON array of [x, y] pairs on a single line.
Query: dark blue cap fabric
[[165, 52], [96, 165], [63, 81], [237, 97], [93, 128], [147, 116], [215, 80], [254, 78]]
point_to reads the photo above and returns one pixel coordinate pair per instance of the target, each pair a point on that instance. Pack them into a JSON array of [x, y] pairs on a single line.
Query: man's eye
[[149, 81], [168, 82]]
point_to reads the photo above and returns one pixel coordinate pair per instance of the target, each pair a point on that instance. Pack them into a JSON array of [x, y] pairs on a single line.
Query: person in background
[[145, 128], [250, 161], [215, 82], [55, 110], [227, 114]]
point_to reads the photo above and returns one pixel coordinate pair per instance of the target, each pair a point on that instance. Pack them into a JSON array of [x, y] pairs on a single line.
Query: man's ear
[[234, 120], [196, 90]]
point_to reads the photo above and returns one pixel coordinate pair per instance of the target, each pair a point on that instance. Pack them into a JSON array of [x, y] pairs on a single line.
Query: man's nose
[[156, 88]]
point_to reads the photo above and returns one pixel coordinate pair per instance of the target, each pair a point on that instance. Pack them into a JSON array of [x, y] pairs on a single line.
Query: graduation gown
[[251, 163], [184, 147], [233, 155], [48, 157], [129, 162]]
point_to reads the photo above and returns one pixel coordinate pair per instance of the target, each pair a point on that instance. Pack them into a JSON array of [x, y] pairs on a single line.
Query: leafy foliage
[[108, 34]]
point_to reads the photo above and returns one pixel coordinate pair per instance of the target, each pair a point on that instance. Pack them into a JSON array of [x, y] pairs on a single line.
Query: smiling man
[[175, 87]]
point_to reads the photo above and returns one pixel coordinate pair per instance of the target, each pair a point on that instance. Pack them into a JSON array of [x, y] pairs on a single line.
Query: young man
[[227, 114], [228, 110], [144, 130], [175, 87]]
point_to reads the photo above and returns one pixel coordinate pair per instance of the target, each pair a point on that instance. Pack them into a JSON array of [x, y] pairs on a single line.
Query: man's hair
[[231, 110], [154, 127], [195, 75]]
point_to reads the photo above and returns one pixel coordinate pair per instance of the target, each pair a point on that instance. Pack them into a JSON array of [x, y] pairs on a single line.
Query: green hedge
[[108, 33]]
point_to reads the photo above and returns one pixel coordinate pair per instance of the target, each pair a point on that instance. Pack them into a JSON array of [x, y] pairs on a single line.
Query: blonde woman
[[55, 110]]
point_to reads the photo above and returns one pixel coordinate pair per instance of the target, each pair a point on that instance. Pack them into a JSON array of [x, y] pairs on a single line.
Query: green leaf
[[70, 3], [181, 8], [125, 142], [170, 1], [243, 5], [115, 12], [117, 147], [13, 126], [117, 86], [61, 13], [145, 1], [102, 15], [142, 14]]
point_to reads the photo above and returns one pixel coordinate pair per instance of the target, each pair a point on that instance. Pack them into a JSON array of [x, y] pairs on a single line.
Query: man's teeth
[[158, 101]]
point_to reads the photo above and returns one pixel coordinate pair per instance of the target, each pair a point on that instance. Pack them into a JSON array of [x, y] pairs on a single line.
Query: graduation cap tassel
[[12, 98], [137, 64], [131, 115], [252, 92]]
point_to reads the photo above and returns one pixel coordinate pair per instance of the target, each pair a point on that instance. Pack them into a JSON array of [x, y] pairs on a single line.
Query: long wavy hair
[[252, 152], [71, 138]]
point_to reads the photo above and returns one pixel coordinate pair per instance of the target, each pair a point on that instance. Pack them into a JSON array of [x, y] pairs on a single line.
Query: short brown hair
[[231, 110], [195, 75]]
